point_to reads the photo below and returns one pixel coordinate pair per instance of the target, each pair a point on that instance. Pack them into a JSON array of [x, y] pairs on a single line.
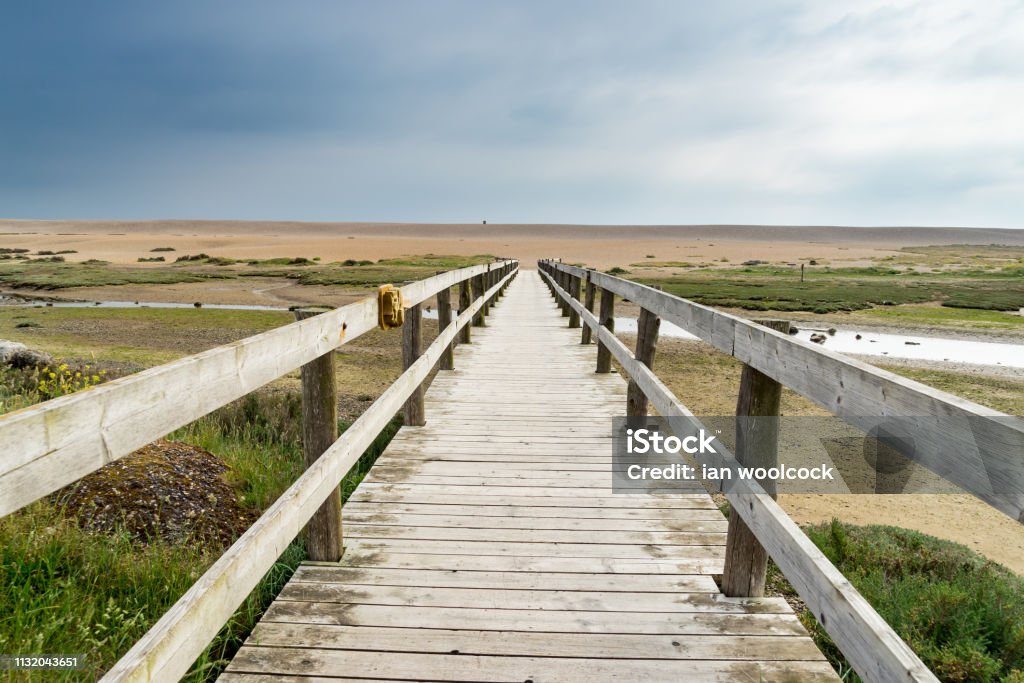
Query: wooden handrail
[[167, 651], [979, 449], [53, 444], [872, 647]]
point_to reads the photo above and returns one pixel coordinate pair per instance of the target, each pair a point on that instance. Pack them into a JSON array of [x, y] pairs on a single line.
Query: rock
[[30, 359], [818, 338], [910, 343], [7, 348], [753, 262], [858, 337], [198, 304], [831, 331]]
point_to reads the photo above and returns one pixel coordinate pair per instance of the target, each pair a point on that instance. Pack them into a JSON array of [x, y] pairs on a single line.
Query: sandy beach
[[599, 246]]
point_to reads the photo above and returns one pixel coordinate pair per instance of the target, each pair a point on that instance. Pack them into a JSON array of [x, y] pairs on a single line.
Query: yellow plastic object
[[390, 312]]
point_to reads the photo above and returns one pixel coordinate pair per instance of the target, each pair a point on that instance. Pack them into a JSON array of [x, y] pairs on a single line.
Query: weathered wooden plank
[[531, 599], [490, 669], [577, 645], [551, 621], [357, 556], [384, 576], [599, 550], [585, 536]]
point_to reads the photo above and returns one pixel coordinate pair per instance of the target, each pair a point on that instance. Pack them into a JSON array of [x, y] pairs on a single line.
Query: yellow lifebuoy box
[[390, 312]]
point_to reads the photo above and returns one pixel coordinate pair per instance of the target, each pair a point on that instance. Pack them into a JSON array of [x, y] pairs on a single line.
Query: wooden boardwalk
[[487, 545]]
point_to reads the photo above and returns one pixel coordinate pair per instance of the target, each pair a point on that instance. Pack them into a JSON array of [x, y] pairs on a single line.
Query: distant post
[[319, 431], [746, 561]]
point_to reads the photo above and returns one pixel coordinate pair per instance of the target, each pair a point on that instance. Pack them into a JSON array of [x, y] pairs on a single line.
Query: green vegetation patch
[[961, 614], [827, 290], [56, 275]]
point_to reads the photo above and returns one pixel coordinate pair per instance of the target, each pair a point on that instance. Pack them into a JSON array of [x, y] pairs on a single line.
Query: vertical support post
[[486, 284], [412, 411], [646, 341], [590, 291], [465, 300], [574, 292], [444, 319], [478, 292], [746, 561], [319, 431], [607, 318], [563, 282]]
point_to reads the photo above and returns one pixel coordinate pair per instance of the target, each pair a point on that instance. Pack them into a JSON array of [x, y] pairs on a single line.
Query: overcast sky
[[867, 113]]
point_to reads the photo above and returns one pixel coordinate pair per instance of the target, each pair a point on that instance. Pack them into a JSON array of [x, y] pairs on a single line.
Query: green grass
[[961, 614], [65, 590], [46, 275], [943, 315], [827, 290], [1005, 394], [52, 276]]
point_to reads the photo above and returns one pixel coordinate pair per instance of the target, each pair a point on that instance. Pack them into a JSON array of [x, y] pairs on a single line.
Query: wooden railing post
[[647, 328], [478, 292], [486, 284], [574, 292], [589, 292], [412, 411], [444, 319], [607, 319], [746, 561], [319, 431], [465, 301], [563, 282]]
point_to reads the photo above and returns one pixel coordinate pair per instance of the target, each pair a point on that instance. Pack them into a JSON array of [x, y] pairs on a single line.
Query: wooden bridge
[[486, 543]]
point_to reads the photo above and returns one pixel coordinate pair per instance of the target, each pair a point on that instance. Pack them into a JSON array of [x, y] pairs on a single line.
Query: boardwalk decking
[[487, 545]]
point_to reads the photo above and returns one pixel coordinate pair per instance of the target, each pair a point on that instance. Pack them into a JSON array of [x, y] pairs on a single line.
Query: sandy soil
[[960, 518], [598, 246]]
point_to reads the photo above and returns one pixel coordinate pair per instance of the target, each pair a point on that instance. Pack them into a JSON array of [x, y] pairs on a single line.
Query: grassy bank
[[828, 290], [60, 275], [961, 614]]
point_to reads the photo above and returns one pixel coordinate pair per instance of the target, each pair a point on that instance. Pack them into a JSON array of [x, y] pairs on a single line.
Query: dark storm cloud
[[570, 111]]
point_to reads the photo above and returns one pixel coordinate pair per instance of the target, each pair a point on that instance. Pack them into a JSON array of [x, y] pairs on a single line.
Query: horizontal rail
[[979, 449], [170, 647], [53, 444], [872, 647]]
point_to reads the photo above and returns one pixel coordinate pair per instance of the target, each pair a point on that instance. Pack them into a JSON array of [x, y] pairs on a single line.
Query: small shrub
[[163, 249]]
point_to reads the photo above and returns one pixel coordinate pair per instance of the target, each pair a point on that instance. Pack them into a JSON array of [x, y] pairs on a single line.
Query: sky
[[582, 111]]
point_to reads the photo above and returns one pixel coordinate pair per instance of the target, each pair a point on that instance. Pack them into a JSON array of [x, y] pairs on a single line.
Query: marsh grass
[[826, 290]]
